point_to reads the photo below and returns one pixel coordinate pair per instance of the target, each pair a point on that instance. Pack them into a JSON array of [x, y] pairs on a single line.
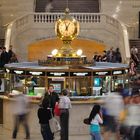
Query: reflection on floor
[[6, 135]]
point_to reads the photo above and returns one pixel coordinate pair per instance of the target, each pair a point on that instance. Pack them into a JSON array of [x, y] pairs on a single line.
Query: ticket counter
[[83, 81]]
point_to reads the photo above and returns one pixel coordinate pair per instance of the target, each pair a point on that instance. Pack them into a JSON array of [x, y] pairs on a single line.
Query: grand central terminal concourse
[[70, 69]]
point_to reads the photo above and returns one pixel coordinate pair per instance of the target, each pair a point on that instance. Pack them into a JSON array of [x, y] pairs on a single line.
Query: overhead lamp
[[79, 52], [54, 52]]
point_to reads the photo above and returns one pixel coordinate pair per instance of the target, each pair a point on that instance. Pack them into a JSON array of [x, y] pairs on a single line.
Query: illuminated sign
[[80, 74], [117, 72], [58, 79], [35, 73], [57, 74], [102, 73], [18, 72]]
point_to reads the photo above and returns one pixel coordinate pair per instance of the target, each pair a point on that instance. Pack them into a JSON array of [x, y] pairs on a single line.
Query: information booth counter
[[87, 85], [81, 81]]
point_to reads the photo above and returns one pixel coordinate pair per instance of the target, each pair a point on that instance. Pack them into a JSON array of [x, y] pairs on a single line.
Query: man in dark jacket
[[4, 57], [52, 96]]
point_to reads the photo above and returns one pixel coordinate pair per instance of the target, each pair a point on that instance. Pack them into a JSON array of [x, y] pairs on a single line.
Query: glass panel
[[101, 85], [35, 85], [2, 82], [80, 86], [116, 80]]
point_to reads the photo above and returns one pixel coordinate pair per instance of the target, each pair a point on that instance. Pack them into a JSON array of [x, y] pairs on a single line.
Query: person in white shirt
[[95, 120], [64, 105]]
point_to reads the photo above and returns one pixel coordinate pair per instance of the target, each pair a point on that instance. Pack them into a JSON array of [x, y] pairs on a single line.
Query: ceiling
[[125, 10]]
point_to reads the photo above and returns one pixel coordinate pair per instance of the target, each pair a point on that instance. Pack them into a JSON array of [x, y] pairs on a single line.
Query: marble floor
[[6, 135]]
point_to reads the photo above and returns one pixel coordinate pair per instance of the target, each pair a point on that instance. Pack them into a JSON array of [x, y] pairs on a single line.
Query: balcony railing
[[39, 19]]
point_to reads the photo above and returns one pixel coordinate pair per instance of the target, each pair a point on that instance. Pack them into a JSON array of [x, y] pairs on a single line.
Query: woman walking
[[95, 119]]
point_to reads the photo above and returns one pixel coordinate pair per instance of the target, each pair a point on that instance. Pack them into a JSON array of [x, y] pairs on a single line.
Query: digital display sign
[[117, 72], [57, 74], [80, 73], [102, 73], [35, 73]]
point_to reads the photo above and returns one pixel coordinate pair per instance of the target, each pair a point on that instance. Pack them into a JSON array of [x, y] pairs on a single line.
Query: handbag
[[86, 121], [57, 110], [54, 124]]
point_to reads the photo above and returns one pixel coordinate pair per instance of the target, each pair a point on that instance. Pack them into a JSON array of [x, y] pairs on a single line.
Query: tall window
[[84, 6]]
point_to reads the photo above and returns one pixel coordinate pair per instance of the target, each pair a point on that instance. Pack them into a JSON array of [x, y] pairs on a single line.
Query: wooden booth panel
[[41, 49]]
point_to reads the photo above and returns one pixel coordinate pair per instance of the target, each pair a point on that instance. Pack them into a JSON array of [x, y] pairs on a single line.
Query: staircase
[[75, 6]]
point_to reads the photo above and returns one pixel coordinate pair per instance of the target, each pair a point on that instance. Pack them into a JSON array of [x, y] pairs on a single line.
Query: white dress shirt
[[65, 103]]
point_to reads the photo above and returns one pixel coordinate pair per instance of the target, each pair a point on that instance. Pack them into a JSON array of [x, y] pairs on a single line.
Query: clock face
[[66, 28]]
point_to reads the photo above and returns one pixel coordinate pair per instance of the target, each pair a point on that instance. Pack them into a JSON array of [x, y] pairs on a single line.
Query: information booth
[[87, 85], [82, 81]]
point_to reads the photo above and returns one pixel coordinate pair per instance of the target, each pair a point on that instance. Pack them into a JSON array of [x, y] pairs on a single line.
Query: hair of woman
[[95, 110]]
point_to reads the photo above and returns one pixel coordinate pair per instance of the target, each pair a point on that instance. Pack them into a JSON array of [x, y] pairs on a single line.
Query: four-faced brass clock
[[67, 28]]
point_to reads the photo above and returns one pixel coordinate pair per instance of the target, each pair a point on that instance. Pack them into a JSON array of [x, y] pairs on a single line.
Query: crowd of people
[[45, 113], [111, 55], [64, 104], [118, 116], [7, 57]]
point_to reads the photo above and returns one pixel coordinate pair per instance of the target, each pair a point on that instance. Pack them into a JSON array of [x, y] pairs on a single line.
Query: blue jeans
[[96, 136], [46, 132]]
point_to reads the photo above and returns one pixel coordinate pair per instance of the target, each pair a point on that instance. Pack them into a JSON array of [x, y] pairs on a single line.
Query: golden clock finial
[[67, 11]]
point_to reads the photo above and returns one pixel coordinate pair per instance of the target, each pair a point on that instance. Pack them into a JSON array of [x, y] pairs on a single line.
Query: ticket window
[[16, 81], [101, 85], [35, 85], [80, 86], [58, 83], [126, 80], [118, 79]]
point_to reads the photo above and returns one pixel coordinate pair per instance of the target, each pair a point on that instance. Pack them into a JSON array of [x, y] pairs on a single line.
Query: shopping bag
[[54, 125], [57, 110]]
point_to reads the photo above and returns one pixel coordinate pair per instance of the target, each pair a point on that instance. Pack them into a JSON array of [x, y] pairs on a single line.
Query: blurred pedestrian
[[95, 120], [64, 105], [132, 121], [44, 115], [113, 106], [21, 110]]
